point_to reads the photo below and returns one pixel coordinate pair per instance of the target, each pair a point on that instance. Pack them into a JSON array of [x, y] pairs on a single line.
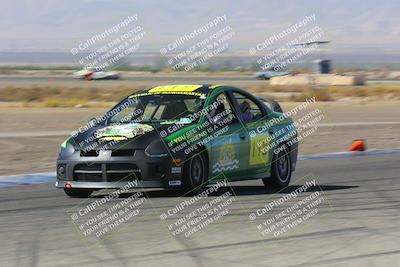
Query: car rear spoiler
[[272, 104]]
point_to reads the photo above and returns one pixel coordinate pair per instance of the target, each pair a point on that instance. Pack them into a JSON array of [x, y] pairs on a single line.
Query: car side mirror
[[211, 119]]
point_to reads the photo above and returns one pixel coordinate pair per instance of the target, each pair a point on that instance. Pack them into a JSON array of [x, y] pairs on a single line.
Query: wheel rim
[[283, 166], [196, 170]]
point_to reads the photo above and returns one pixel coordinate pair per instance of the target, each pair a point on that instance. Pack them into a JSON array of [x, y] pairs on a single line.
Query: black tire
[[281, 170], [78, 193], [195, 174]]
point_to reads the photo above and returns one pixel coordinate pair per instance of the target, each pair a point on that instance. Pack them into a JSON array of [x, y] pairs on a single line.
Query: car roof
[[184, 89]]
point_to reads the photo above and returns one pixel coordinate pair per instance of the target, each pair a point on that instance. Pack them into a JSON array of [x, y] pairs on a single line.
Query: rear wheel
[[78, 193], [281, 170], [196, 174]]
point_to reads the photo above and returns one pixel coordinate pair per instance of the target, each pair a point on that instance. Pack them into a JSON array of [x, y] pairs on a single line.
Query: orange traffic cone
[[358, 145]]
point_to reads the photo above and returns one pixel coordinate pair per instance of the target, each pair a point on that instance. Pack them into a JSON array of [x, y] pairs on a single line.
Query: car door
[[228, 149], [254, 118]]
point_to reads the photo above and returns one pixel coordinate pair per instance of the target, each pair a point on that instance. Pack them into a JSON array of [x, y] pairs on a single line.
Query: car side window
[[221, 109], [249, 110]]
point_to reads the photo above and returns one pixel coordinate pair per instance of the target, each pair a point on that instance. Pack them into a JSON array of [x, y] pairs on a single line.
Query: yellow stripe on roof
[[168, 93], [175, 88]]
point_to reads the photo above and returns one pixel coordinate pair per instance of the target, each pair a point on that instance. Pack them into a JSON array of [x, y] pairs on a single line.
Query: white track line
[[47, 177], [28, 133], [371, 152], [344, 124]]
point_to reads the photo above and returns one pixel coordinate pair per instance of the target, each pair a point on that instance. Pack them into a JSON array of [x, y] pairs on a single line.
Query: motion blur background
[[40, 98], [43, 99]]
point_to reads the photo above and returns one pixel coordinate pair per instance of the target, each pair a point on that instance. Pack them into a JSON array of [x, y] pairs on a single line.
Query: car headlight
[[66, 149], [61, 171], [156, 149]]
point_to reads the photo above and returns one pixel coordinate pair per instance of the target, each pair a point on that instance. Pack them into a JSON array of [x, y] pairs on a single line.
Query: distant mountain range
[[354, 26], [231, 60]]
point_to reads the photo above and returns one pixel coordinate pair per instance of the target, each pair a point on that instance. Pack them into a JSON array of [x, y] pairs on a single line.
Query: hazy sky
[[59, 25]]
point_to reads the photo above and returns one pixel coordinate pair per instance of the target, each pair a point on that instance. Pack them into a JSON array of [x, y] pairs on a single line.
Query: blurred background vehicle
[[95, 74], [271, 72]]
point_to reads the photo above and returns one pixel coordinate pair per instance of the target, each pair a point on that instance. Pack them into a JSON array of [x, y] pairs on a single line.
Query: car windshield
[[160, 108]]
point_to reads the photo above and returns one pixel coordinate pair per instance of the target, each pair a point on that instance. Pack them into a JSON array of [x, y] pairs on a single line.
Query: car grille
[[112, 172], [89, 153], [122, 153], [114, 153]]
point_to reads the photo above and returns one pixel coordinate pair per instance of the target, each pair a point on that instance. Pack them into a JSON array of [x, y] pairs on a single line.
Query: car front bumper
[[108, 185], [107, 171]]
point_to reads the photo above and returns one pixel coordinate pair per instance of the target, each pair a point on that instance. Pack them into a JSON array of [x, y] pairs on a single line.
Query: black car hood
[[117, 136]]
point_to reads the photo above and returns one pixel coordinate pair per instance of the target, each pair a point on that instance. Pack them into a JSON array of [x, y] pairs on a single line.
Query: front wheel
[[195, 175], [281, 170], [78, 193]]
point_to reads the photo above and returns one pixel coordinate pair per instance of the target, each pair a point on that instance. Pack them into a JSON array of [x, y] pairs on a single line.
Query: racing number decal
[[259, 149]]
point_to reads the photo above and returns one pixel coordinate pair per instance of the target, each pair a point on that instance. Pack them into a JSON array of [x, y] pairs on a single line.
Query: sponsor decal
[[172, 90], [201, 95], [259, 155], [227, 159], [174, 182], [123, 132], [175, 88], [176, 170]]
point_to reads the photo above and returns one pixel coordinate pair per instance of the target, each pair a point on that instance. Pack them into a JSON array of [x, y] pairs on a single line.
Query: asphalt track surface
[[356, 224]]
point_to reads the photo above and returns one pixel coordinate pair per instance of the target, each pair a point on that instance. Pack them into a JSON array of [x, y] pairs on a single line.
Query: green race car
[[180, 136]]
